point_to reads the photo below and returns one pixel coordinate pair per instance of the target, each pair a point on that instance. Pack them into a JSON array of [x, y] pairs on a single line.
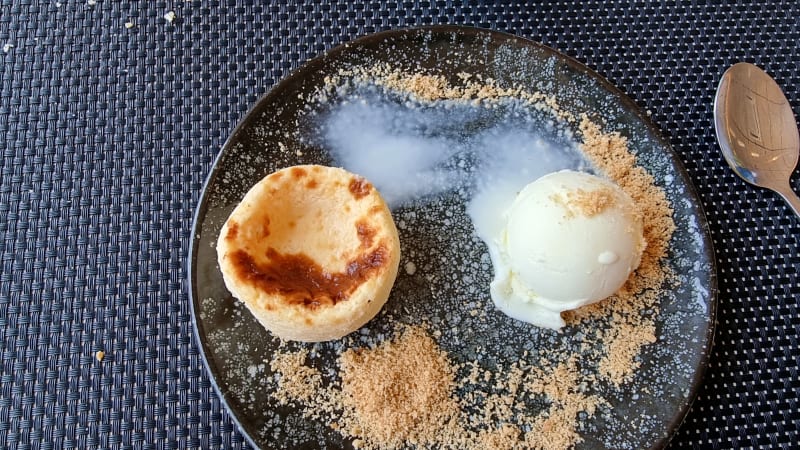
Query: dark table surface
[[110, 119]]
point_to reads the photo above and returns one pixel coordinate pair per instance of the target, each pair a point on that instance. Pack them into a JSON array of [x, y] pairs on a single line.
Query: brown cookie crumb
[[400, 392], [630, 330], [591, 203]]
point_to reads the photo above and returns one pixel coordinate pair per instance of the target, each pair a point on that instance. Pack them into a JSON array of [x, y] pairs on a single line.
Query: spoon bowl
[[757, 131]]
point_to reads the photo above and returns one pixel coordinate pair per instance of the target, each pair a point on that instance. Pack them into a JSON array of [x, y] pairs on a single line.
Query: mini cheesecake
[[312, 251]]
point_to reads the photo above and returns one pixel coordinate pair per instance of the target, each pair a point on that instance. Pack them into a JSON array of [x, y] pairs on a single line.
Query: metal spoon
[[756, 130]]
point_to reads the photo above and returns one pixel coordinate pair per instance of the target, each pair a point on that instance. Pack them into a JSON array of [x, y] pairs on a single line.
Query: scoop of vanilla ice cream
[[570, 239]]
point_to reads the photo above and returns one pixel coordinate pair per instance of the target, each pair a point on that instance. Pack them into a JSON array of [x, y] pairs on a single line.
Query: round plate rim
[[202, 203]]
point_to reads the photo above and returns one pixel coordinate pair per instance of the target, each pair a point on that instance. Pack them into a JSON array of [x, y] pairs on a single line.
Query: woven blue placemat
[[111, 114]]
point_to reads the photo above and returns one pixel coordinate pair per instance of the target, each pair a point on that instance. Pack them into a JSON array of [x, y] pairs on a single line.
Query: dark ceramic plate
[[450, 284]]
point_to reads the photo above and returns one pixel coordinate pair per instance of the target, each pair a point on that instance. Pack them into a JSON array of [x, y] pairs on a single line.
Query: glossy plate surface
[[445, 270]]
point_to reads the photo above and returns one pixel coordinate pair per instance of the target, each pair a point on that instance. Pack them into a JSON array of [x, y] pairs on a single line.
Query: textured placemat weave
[[112, 112]]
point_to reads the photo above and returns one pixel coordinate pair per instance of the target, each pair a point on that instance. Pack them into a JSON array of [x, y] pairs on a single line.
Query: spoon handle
[[791, 198]]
